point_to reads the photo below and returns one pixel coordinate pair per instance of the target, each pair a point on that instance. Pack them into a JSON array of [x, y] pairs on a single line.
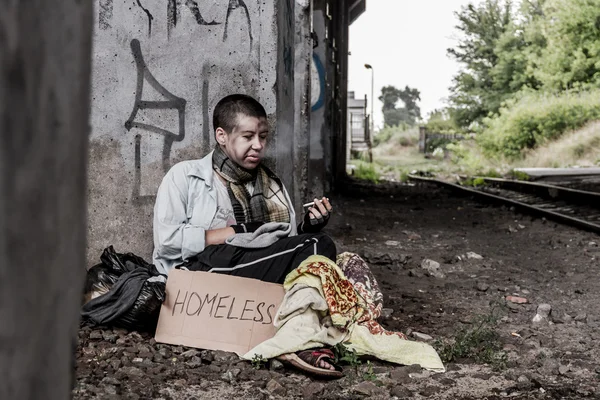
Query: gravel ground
[[485, 254]]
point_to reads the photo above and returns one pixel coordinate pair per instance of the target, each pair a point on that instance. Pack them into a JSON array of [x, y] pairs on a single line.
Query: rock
[[225, 356], [276, 365], [194, 362], [542, 314], [110, 336], [433, 268], [482, 286], [581, 317], [563, 369], [421, 375], [386, 313], [111, 381], [392, 243], [412, 235], [516, 299], [366, 388], [115, 364], [166, 353], [189, 354], [474, 256], [110, 390], [312, 390], [132, 371], [137, 360], [415, 273], [207, 355], [429, 391], [230, 375], [96, 335], [275, 388], [400, 392], [421, 336]]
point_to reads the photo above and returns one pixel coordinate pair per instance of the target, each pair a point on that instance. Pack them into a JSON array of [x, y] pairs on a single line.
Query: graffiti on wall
[[177, 8], [105, 13], [174, 13], [150, 17], [238, 5], [169, 102]]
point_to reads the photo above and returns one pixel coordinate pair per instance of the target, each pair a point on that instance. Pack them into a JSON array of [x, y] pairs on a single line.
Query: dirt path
[[395, 231]]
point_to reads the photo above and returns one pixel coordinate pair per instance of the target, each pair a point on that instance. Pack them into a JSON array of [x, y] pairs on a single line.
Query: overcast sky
[[405, 41]]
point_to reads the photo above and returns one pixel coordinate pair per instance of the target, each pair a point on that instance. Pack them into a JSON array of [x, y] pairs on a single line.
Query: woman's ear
[[221, 136]]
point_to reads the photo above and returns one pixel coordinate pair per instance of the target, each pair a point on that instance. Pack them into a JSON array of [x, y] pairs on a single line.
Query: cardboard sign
[[217, 312]]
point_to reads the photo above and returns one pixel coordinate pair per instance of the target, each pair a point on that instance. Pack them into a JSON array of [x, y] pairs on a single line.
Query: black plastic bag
[[131, 302]]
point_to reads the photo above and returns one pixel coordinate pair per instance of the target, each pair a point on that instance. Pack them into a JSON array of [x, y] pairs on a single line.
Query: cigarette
[[312, 203]]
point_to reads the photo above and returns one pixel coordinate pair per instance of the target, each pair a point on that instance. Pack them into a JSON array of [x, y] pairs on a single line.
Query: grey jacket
[[186, 204]]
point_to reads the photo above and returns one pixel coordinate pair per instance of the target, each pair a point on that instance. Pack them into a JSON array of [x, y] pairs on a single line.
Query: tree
[[45, 61], [409, 113], [572, 31], [473, 93]]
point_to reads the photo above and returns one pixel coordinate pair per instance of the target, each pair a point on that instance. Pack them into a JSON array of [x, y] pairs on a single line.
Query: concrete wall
[[159, 67]]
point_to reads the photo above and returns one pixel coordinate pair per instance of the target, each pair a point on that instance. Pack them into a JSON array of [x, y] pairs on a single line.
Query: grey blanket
[[264, 236]]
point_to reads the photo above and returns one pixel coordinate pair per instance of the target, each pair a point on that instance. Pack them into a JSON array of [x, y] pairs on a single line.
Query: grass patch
[[532, 120], [258, 362], [480, 342], [367, 172]]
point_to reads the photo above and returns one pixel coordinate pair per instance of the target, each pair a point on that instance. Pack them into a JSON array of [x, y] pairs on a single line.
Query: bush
[[403, 135], [367, 172], [533, 119]]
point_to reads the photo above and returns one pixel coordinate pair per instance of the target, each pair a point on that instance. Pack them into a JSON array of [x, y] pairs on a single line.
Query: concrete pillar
[[160, 66], [45, 57]]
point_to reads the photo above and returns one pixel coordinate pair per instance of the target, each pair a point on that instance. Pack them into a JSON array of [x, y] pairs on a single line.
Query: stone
[[111, 381], [194, 362], [429, 391], [482, 286], [225, 356], [132, 371], [412, 235], [421, 336], [366, 388], [516, 299], [400, 392], [96, 335], [432, 268], [189, 354], [581, 317], [415, 273], [276, 365], [312, 390], [110, 336], [275, 388], [392, 243], [563, 369], [115, 364], [230, 375], [542, 314], [386, 313], [474, 256]]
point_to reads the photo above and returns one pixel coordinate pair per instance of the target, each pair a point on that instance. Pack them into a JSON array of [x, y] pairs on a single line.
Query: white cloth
[[302, 323]]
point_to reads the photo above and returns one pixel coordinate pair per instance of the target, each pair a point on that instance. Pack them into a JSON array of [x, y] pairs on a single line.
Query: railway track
[[574, 207]]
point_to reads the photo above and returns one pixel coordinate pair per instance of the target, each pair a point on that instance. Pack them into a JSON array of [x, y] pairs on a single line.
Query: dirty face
[[245, 144]]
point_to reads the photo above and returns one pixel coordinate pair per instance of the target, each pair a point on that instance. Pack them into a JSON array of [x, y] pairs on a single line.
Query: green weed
[[366, 172], [258, 361], [480, 342]]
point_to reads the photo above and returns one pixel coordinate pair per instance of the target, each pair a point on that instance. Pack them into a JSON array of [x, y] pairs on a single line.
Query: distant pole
[[369, 66]]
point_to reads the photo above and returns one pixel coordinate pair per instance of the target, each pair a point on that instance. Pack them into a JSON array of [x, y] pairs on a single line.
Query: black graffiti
[[105, 14], [172, 102], [234, 5], [205, 116], [150, 17], [174, 13]]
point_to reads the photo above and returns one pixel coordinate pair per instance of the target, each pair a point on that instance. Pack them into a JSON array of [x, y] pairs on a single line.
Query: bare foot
[[326, 365]]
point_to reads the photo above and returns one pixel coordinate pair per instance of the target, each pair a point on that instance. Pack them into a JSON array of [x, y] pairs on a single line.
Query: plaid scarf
[[267, 203]]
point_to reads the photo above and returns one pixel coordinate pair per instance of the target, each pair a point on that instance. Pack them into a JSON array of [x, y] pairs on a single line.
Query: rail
[[574, 207]]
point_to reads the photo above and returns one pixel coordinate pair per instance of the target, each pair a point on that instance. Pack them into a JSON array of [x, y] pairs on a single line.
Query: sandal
[[308, 361]]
